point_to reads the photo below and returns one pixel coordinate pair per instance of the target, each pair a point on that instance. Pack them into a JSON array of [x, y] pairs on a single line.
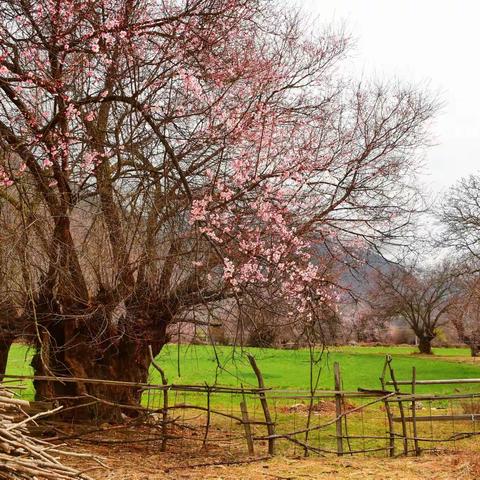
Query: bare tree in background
[[460, 217], [421, 298], [465, 316]]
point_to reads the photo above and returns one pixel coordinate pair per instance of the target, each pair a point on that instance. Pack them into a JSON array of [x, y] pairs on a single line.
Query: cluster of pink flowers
[[191, 83], [261, 246], [5, 179]]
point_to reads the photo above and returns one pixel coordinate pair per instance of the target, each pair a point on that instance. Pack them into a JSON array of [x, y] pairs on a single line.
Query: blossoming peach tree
[[160, 157]]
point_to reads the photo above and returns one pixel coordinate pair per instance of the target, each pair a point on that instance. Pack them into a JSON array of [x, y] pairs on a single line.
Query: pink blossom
[[191, 83]]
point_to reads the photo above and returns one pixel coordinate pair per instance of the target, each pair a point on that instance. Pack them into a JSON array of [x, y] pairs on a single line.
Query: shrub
[[262, 335]]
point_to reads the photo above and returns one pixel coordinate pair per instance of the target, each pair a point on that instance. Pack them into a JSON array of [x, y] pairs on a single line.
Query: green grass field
[[289, 369]]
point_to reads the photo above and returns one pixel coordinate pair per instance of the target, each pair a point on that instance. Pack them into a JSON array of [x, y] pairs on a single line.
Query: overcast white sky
[[433, 42]]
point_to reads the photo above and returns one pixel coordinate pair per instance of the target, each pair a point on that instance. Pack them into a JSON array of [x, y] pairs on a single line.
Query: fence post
[[388, 411], [264, 403], [246, 424], [400, 406], [207, 425], [414, 412], [338, 407]]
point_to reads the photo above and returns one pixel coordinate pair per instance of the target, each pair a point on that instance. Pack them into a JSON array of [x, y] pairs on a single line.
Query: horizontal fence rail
[[438, 418], [447, 381]]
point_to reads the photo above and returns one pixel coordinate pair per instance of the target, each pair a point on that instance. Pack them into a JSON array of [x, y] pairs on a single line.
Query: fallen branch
[[213, 464], [24, 457]]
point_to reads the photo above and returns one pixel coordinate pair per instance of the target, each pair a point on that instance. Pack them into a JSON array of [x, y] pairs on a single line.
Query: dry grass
[[471, 406], [143, 461], [135, 463], [321, 406]]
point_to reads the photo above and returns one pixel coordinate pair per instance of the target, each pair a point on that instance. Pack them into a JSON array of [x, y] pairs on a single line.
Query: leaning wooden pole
[[264, 403], [246, 424], [388, 411], [338, 408], [163, 445], [400, 406], [414, 412]]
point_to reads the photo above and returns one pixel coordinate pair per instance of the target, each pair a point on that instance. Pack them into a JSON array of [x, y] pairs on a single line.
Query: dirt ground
[[133, 453], [136, 462]]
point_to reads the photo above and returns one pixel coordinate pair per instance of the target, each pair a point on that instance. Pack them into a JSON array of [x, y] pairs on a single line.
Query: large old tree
[[465, 316], [460, 218], [422, 297], [158, 158]]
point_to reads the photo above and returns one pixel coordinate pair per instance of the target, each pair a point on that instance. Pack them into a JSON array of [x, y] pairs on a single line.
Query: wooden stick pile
[[25, 457]]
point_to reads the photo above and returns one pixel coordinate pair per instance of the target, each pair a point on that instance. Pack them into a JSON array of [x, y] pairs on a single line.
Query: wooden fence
[[259, 420]]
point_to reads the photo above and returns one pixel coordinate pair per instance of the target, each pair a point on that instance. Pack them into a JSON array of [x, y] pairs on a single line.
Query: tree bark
[[77, 349], [6, 341], [425, 344]]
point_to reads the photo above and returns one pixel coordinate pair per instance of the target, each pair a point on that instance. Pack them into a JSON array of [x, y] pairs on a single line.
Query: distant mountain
[[358, 270], [359, 277]]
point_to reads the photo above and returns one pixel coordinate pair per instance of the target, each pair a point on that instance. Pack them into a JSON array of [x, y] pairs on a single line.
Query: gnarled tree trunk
[[93, 348], [6, 341], [474, 348], [425, 344]]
